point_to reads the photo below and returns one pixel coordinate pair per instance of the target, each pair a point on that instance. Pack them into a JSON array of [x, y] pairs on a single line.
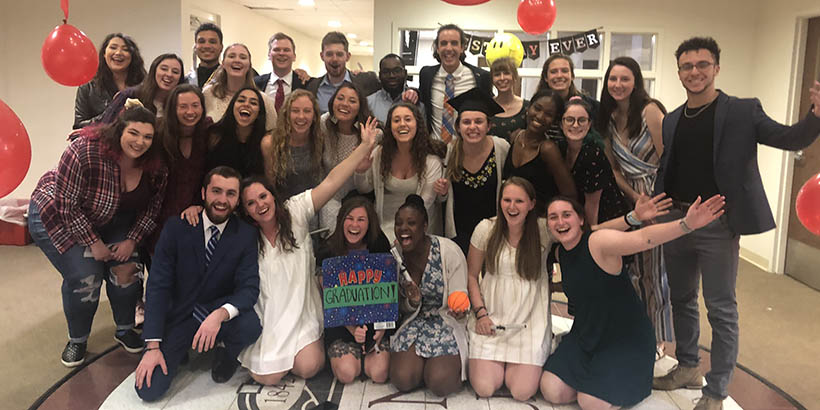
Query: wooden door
[[803, 247]]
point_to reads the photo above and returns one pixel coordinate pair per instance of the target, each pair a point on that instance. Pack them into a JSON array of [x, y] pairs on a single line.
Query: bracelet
[[631, 220], [477, 318], [685, 227], [478, 309]]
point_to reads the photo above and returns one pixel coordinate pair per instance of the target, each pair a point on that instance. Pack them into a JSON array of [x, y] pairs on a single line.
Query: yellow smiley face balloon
[[505, 45]]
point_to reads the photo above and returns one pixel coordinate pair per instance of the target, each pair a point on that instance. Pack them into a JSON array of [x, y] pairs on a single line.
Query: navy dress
[[610, 351]]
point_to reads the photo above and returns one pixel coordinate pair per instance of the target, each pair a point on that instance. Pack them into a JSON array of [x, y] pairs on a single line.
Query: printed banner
[[360, 289]]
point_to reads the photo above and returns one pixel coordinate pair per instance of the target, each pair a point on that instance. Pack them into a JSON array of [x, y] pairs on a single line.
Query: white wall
[[775, 78], [241, 25], [757, 39], [45, 107]]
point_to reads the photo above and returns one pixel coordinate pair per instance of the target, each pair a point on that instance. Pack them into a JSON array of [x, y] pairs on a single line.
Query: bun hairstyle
[[415, 202]]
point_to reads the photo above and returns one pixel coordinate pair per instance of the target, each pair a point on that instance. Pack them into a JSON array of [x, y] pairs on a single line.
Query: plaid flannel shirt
[[83, 193]]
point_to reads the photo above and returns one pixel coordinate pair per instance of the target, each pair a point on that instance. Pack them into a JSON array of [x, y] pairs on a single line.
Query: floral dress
[[427, 330]]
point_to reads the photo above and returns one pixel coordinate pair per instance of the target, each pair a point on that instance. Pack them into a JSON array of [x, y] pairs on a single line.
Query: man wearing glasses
[[711, 148], [393, 78]]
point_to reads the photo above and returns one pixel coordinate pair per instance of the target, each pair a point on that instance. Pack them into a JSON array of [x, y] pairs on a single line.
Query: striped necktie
[[448, 113], [209, 249]]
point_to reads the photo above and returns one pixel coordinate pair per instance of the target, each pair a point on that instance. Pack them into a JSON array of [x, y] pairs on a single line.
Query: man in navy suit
[[203, 284], [710, 147], [283, 80], [441, 82]]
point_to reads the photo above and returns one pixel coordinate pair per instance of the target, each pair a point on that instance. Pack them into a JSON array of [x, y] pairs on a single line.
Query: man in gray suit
[[710, 147]]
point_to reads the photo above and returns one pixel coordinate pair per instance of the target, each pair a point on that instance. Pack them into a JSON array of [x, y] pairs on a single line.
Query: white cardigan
[[371, 180], [501, 147], [454, 274]]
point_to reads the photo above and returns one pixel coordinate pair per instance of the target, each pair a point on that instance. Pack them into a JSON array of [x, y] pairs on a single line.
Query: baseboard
[[755, 259]]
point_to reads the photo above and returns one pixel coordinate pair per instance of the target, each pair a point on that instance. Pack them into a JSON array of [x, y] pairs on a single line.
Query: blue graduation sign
[[360, 289]]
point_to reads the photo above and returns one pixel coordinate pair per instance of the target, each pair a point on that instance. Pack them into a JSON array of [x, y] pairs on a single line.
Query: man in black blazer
[[203, 284], [335, 55], [279, 84], [710, 147], [448, 49]]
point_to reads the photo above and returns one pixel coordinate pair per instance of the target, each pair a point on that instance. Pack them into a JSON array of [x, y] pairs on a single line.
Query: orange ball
[[458, 301]]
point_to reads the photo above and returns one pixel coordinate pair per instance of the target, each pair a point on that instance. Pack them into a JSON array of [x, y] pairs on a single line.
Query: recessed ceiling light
[[306, 3], [352, 35], [334, 23], [364, 43]]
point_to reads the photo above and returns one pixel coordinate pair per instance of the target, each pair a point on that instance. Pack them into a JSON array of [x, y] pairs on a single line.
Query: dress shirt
[[464, 81], [206, 226], [380, 103], [270, 88], [326, 90]]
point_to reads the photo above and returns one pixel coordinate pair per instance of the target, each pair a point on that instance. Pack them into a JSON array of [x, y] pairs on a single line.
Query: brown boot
[[709, 403], [679, 377]]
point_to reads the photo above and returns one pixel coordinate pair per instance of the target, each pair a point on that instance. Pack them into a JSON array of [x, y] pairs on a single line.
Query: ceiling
[[355, 16]]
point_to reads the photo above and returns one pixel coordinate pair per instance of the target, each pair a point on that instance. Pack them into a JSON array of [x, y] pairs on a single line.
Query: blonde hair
[[281, 136], [219, 79]]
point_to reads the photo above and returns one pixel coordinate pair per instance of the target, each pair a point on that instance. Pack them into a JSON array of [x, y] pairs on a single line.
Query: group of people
[[471, 192]]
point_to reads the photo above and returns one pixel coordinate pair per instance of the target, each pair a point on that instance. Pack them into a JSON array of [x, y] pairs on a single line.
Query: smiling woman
[[233, 74], [165, 74], [102, 199]]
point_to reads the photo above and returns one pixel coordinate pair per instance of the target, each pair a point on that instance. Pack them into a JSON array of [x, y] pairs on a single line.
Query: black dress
[[539, 175], [474, 199], [237, 155], [502, 127], [592, 172], [609, 352]]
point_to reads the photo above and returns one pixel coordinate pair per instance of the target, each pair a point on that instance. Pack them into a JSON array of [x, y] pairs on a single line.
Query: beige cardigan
[[502, 147], [454, 274]]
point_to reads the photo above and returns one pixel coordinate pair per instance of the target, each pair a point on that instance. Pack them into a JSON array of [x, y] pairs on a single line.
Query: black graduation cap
[[476, 100]]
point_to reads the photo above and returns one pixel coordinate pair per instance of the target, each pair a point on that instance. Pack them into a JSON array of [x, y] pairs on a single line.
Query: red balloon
[[69, 57], [808, 204], [536, 16], [465, 2], [15, 150]]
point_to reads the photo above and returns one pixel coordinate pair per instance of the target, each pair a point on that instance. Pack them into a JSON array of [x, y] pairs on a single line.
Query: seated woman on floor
[[607, 358], [357, 229], [289, 305], [511, 334], [430, 346]]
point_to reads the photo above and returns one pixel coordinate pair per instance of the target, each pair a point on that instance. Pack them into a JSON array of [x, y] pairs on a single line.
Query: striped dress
[[639, 161]]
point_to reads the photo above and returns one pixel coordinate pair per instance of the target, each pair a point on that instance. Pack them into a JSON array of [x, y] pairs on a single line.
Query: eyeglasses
[[393, 71], [572, 120], [701, 65]]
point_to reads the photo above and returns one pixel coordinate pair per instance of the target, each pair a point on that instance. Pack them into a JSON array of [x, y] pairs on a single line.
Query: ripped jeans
[[83, 277]]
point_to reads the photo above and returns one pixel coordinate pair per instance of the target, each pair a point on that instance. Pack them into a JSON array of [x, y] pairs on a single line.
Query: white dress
[[289, 305], [513, 300]]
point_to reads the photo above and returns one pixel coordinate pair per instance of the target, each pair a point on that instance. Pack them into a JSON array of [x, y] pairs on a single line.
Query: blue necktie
[[209, 249], [448, 114]]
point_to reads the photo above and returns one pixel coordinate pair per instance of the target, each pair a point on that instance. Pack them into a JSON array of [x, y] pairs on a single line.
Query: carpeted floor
[[778, 322]]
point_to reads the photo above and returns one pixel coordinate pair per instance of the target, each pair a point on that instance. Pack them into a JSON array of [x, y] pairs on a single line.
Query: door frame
[[778, 264]]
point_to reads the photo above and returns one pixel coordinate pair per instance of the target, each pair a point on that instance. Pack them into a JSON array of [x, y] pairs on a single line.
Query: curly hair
[[421, 146], [281, 138]]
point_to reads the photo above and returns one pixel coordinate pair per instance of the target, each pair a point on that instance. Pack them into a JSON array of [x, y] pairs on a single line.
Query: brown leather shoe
[[679, 377], [709, 403]]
